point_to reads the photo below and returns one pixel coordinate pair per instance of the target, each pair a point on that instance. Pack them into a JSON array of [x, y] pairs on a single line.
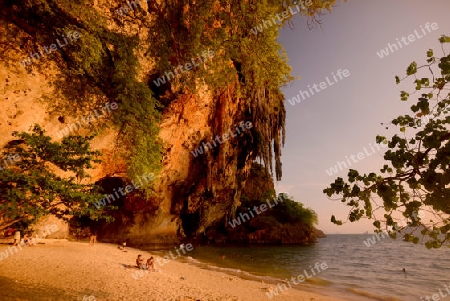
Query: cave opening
[[160, 86], [238, 67], [112, 186], [190, 223], [83, 225]]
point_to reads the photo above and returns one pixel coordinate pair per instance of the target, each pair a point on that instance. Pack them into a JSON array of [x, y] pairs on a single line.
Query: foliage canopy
[[105, 64], [32, 187], [252, 66], [417, 174], [101, 66], [286, 211]]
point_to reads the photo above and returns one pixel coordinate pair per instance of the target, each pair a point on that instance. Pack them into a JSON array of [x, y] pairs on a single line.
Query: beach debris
[[270, 289], [230, 278]]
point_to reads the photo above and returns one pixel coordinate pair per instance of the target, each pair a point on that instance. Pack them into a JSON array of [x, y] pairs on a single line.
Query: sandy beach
[[62, 270]]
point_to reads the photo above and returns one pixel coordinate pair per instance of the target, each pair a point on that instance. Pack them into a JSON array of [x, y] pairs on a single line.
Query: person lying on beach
[[150, 263], [140, 262]]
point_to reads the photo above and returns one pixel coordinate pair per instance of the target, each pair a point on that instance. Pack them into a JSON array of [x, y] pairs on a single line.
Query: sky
[[344, 118]]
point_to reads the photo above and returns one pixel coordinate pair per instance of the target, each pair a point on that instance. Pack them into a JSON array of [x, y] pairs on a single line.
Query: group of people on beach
[[150, 265], [25, 241]]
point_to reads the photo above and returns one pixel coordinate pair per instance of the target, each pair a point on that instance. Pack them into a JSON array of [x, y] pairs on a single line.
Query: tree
[[416, 175], [101, 66], [285, 210], [31, 184]]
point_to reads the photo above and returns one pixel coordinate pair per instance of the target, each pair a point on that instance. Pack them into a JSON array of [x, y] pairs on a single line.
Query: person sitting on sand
[[123, 246], [27, 240], [24, 240], [32, 240], [150, 263], [140, 262]]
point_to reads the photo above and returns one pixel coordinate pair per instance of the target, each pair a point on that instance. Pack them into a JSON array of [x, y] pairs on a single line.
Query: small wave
[[235, 272], [224, 269], [372, 296], [319, 281], [244, 275], [359, 264], [192, 260]]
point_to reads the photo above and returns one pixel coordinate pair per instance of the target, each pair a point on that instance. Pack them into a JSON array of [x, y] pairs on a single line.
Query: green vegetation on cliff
[[103, 64], [264, 218], [247, 65], [285, 210], [100, 66]]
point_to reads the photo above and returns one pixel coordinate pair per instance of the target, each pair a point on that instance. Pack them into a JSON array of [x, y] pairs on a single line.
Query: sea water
[[355, 271]]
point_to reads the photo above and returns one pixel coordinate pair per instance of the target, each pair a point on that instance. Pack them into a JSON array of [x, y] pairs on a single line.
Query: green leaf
[[444, 39], [425, 81], [377, 224], [412, 69], [404, 95], [334, 221]]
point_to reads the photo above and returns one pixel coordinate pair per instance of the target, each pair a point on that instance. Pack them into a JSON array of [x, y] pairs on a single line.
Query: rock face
[[192, 192], [287, 234], [195, 193], [319, 233], [263, 228]]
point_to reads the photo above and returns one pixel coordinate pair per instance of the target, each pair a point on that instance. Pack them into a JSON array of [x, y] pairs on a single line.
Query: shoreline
[[62, 270]]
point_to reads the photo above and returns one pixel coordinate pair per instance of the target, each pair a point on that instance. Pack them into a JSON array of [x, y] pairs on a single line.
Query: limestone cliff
[[193, 193]]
